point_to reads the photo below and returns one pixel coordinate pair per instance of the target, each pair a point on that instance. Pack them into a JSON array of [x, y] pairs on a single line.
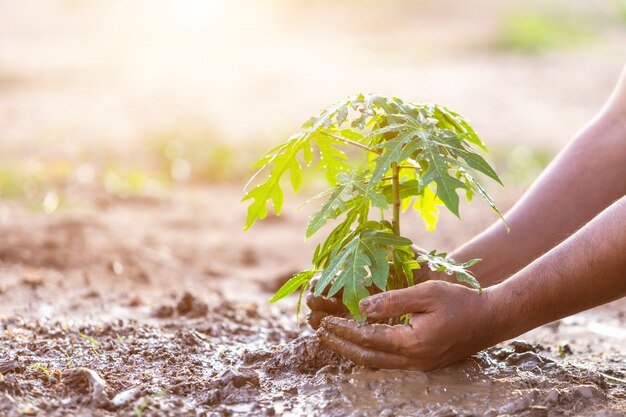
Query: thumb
[[416, 299]]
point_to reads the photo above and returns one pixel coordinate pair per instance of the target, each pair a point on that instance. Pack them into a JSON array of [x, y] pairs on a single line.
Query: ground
[[159, 307], [127, 286]]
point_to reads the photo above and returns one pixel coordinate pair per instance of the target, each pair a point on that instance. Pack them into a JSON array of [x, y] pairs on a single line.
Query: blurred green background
[[136, 98]]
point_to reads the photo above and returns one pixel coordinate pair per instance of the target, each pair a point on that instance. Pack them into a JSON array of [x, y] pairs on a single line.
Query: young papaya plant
[[412, 156]]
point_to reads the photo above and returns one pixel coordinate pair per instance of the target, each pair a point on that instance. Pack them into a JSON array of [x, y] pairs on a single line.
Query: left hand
[[448, 323]]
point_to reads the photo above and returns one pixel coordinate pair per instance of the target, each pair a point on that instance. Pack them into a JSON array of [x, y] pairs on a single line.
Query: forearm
[[586, 270], [582, 181]]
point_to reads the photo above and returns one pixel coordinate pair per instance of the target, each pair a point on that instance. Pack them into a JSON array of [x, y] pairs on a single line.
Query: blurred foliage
[[132, 182], [173, 159], [200, 157], [34, 183], [620, 7], [534, 32], [166, 160]]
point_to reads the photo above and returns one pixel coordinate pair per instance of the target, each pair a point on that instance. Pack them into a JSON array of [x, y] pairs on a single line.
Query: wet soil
[[159, 309]]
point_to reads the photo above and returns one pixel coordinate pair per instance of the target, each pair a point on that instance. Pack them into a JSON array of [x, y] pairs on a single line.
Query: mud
[[229, 361], [159, 310]]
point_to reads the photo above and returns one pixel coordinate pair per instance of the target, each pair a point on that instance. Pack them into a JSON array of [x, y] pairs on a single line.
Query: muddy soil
[[158, 308], [227, 360]]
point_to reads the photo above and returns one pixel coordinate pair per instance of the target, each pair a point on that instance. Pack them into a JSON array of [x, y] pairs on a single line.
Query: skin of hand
[[449, 322], [323, 306], [584, 179]]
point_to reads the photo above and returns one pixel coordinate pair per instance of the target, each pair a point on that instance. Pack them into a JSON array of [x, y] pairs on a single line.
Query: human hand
[[448, 323], [323, 306]]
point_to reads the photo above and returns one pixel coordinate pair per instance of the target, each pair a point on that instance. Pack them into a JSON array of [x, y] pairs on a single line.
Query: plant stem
[[395, 224], [395, 184], [353, 143]]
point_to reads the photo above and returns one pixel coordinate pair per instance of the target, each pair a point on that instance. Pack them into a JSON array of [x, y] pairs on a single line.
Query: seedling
[[94, 343], [409, 156], [141, 406], [45, 370]]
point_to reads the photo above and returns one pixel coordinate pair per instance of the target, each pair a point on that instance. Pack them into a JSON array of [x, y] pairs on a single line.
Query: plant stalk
[[395, 184], [395, 223]]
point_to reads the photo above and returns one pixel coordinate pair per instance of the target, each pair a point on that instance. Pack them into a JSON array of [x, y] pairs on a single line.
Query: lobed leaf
[[439, 262], [271, 189], [396, 150]]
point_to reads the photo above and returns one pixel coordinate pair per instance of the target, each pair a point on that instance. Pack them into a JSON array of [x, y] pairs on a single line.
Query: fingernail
[[327, 322], [365, 305]]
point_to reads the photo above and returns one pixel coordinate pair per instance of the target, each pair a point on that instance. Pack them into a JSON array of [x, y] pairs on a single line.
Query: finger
[[330, 305], [374, 336], [364, 356], [395, 303], [314, 318]]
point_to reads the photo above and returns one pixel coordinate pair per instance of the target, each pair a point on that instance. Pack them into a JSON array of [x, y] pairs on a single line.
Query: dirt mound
[[231, 361]]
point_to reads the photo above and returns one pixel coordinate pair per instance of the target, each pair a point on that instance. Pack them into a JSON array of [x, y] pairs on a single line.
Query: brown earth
[[159, 308]]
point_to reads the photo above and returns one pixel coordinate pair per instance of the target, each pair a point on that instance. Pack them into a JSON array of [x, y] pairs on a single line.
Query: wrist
[[498, 315]]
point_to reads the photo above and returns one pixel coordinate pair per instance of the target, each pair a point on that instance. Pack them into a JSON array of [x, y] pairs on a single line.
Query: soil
[[158, 307], [152, 307]]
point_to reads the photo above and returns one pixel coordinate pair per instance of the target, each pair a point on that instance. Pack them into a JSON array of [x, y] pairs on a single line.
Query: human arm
[[449, 322], [584, 179]]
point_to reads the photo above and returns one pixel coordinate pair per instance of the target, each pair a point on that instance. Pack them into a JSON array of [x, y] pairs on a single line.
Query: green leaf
[[379, 268], [303, 288], [349, 268], [446, 185], [295, 169], [408, 188], [332, 160], [270, 189], [353, 293], [478, 163], [388, 239], [352, 135], [396, 127], [407, 259], [373, 194], [396, 150], [426, 205], [335, 264], [454, 122], [333, 207], [357, 253], [334, 239], [342, 114], [439, 262], [292, 285], [468, 278], [352, 280], [336, 204], [485, 195]]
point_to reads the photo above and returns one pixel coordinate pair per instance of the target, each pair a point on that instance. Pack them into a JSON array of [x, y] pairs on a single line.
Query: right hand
[[323, 306]]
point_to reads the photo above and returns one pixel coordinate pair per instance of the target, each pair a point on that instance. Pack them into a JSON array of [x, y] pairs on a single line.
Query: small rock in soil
[[239, 377], [190, 306]]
